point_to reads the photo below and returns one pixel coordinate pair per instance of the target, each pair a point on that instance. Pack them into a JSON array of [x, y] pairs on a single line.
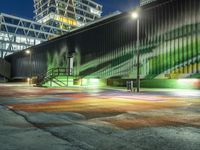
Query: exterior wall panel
[[4, 69], [169, 46]]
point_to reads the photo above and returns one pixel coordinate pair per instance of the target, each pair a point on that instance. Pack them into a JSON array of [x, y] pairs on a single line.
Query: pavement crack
[[74, 143]]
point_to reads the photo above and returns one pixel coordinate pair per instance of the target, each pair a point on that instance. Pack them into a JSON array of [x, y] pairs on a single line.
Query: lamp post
[[135, 15], [28, 52]]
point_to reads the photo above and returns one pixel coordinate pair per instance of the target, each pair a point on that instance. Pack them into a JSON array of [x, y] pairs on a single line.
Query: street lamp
[[28, 52], [135, 15]]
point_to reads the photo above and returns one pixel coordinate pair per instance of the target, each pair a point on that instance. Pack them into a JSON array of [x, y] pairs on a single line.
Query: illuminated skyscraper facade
[[18, 33], [53, 18], [66, 14], [144, 2]]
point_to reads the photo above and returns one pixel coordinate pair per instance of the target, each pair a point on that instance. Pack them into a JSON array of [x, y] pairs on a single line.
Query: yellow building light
[[67, 20]]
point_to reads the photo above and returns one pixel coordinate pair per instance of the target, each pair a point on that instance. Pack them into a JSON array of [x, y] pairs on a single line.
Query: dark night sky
[[24, 8]]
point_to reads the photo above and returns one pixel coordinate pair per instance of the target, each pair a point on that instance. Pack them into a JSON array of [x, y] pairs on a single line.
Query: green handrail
[[53, 73]]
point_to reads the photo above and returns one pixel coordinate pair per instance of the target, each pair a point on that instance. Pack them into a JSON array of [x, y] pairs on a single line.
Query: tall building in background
[[144, 2], [18, 33], [52, 19], [66, 14]]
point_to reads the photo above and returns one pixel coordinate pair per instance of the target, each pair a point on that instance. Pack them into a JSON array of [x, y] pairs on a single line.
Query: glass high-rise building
[[144, 2], [66, 14], [52, 19], [18, 33]]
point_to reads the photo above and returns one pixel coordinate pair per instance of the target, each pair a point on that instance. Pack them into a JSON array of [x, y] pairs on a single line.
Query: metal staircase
[[51, 76]]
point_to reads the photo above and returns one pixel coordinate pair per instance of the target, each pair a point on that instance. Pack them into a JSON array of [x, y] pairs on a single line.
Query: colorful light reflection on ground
[[100, 109], [105, 105]]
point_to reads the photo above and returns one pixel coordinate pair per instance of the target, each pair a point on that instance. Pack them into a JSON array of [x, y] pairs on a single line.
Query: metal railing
[[51, 75]]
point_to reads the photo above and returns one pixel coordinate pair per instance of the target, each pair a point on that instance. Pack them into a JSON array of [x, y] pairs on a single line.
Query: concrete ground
[[98, 119]]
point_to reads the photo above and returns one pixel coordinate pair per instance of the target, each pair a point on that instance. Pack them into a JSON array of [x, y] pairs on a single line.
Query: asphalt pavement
[[91, 118]]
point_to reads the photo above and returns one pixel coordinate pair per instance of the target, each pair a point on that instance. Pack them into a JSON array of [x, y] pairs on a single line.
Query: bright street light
[[135, 15], [28, 51]]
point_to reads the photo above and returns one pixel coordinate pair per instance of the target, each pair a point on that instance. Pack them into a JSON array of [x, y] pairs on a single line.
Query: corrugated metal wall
[[4, 69], [169, 46]]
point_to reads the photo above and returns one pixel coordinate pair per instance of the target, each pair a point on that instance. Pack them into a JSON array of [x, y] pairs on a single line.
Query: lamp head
[[134, 15], [28, 51]]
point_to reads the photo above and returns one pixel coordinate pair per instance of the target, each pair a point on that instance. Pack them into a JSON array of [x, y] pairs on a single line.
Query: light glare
[[134, 15], [28, 51]]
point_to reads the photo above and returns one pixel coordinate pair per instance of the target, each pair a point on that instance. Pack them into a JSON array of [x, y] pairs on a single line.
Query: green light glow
[[187, 83], [60, 81], [171, 83], [93, 82]]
